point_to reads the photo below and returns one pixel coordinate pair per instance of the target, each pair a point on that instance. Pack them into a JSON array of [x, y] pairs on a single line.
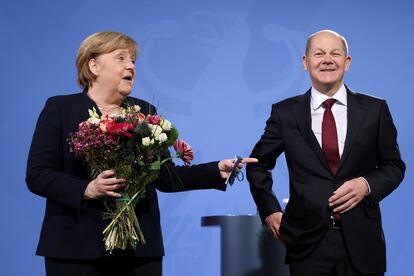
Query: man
[[343, 159]]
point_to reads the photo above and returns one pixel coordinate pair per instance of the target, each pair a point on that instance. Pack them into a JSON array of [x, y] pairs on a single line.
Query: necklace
[[109, 108]]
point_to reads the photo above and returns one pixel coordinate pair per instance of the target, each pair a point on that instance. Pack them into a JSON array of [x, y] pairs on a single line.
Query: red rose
[[154, 119], [121, 129]]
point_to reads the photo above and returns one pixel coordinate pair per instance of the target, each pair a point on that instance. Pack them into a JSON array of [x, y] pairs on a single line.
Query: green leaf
[[172, 136], [156, 165]]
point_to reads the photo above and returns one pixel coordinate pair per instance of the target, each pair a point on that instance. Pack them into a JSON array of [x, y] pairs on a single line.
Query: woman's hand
[[226, 165], [105, 184]]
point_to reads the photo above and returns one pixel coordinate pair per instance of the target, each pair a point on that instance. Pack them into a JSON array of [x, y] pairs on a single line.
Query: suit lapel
[[355, 112], [303, 119]]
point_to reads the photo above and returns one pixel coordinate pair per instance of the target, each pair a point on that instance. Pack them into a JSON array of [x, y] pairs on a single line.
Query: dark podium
[[247, 249]]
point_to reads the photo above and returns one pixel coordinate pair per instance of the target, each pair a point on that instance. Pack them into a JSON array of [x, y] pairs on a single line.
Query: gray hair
[[343, 40]]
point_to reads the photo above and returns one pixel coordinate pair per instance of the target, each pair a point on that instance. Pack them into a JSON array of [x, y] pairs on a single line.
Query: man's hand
[[348, 195], [273, 224], [226, 165], [105, 184]]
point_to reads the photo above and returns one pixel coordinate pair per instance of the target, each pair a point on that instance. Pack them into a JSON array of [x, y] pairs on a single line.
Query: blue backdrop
[[214, 68]]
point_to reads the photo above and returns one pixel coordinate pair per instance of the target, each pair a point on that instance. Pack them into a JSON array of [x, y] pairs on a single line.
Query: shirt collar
[[317, 98]]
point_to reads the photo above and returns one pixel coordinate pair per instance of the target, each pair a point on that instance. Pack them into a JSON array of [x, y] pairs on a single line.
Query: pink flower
[[154, 119], [184, 151]]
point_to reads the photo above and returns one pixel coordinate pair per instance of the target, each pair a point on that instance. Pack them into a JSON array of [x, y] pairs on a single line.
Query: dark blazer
[[72, 227], [370, 151]]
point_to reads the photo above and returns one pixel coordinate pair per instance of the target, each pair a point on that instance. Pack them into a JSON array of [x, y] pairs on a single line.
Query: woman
[[71, 235]]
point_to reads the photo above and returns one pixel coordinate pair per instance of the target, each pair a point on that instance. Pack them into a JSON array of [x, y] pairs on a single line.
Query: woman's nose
[[130, 65]]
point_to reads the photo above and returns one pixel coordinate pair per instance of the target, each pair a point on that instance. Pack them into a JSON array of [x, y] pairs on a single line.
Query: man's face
[[326, 62]]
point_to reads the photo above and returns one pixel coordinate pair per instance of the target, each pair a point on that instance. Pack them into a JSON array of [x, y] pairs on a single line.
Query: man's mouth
[[327, 70]]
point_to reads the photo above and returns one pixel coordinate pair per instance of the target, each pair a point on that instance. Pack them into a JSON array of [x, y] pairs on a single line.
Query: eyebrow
[[124, 52], [333, 50]]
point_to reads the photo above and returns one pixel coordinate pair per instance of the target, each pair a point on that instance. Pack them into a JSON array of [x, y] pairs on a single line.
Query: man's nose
[[327, 59]]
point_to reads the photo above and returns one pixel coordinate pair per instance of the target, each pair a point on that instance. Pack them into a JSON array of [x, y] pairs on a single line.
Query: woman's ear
[[93, 66]]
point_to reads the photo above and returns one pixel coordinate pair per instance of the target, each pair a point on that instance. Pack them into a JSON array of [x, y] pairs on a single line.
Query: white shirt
[[339, 111]]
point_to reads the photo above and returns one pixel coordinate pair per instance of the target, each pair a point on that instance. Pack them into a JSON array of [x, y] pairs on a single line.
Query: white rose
[[137, 108], [146, 141], [162, 138], [166, 125], [94, 121], [155, 130]]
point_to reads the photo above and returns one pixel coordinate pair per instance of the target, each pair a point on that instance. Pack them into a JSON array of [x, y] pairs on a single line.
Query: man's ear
[[93, 66], [348, 62], [305, 62]]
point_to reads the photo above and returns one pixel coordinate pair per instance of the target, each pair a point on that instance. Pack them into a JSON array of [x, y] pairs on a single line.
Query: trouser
[[117, 266], [330, 258]]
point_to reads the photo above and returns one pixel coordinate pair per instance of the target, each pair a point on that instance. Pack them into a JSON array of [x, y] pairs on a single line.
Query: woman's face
[[114, 71]]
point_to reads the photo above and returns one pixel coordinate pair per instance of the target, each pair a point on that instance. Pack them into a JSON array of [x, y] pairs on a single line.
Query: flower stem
[[115, 219]]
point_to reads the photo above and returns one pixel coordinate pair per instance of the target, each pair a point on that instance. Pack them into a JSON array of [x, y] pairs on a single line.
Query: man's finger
[[344, 206], [271, 230], [340, 200], [340, 192], [349, 208]]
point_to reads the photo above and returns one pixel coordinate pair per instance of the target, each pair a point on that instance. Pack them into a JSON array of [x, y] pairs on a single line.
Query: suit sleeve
[[45, 174], [267, 150], [174, 178], [390, 169]]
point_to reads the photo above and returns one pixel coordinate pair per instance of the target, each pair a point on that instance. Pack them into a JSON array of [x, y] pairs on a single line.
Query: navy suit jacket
[[72, 227], [370, 151]]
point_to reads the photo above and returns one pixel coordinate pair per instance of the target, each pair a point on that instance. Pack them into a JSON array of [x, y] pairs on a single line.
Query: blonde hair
[[97, 44]]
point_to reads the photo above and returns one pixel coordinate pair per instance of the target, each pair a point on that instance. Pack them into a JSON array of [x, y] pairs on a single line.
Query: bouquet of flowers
[[134, 146]]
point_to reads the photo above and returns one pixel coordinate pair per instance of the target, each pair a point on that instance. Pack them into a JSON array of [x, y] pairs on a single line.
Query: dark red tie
[[330, 137]]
